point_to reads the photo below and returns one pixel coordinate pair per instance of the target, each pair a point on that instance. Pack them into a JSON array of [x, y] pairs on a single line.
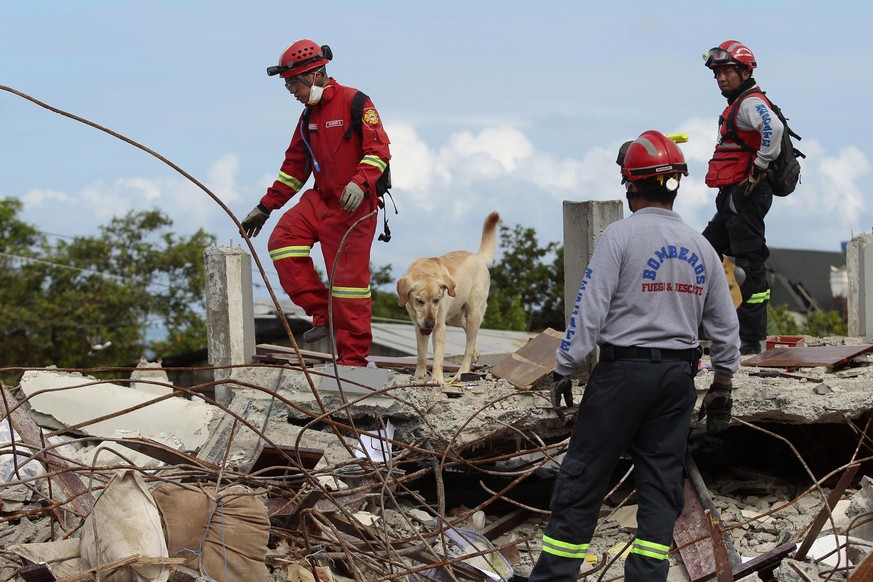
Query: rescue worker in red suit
[[750, 138], [651, 284], [345, 168]]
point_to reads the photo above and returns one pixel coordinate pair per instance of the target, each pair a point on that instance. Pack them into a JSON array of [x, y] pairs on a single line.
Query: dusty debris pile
[[310, 474]]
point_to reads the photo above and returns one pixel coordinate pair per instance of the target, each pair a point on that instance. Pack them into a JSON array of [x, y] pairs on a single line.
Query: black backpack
[[784, 171], [383, 184]]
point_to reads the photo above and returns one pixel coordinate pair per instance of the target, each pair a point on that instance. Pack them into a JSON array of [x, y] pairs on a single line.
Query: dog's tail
[[489, 238]]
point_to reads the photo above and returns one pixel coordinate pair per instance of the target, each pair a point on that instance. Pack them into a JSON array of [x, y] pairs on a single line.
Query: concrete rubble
[[310, 475]]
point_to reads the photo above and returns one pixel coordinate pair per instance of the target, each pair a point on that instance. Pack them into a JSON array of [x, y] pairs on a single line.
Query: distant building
[[803, 280]]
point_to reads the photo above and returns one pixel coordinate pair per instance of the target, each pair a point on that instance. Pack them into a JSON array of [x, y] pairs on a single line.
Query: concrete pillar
[[583, 223], [230, 316], [859, 305]]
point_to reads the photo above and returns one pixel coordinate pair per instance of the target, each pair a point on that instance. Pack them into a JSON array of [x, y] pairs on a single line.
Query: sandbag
[[224, 535], [124, 522]]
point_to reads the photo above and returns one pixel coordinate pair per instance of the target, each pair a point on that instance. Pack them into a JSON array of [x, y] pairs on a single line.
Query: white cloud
[[839, 190], [221, 178], [447, 189], [188, 206], [38, 199], [413, 166], [473, 170], [504, 145]]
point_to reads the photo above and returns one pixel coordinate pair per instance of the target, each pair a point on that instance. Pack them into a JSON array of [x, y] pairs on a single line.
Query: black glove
[[561, 387], [716, 408], [751, 182], [255, 219]]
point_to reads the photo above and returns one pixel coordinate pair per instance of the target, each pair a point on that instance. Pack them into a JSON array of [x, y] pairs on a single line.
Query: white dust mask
[[315, 93]]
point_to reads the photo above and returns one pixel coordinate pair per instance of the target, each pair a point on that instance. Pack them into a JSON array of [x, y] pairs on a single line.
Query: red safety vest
[[731, 163]]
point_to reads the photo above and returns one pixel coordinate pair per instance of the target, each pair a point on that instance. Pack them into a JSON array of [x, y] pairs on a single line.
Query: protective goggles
[[716, 57]]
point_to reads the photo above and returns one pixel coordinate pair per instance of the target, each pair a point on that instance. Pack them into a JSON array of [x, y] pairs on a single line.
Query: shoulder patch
[[370, 117]]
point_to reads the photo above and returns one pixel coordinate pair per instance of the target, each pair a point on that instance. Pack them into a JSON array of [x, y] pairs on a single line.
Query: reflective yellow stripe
[[350, 292], [289, 252], [759, 297], [375, 161], [290, 181], [651, 549], [564, 549]]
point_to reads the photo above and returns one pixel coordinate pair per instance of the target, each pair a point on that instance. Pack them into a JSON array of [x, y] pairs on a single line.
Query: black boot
[[314, 334]]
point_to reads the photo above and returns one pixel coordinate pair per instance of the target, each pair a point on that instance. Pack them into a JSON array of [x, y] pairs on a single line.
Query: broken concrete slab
[[151, 377], [234, 443], [128, 447], [792, 398], [476, 411], [74, 400]]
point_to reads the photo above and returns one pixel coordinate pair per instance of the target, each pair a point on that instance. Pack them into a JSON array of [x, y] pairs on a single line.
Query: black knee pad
[[743, 278]]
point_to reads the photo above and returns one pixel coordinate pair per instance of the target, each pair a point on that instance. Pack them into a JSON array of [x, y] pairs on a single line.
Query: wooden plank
[[291, 507], [287, 354], [281, 461], [827, 356], [79, 498], [719, 550], [864, 571], [825, 512], [708, 504], [693, 524], [506, 523], [766, 561], [157, 451], [531, 362], [713, 553]]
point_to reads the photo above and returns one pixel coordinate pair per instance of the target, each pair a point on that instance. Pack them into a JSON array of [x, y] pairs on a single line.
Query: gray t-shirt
[[652, 282]]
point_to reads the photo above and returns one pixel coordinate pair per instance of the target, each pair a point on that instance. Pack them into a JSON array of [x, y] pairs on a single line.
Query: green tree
[[819, 323], [65, 301], [385, 298], [780, 321], [527, 293]]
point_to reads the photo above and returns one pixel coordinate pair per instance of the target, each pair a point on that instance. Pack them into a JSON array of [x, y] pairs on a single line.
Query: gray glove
[[716, 408], [751, 182], [562, 387], [255, 219], [351, 198]]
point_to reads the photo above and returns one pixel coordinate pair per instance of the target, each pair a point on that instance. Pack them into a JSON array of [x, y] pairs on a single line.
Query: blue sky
[[513, 106]]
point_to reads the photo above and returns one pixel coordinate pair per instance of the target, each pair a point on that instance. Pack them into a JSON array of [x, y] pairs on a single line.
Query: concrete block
[[71, 399], [350, 378]]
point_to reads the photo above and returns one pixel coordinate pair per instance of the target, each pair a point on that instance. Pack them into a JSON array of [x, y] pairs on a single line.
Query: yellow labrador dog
[[449, 290]]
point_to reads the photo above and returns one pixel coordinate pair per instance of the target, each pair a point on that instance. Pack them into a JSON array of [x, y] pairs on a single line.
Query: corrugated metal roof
[[400, 337]]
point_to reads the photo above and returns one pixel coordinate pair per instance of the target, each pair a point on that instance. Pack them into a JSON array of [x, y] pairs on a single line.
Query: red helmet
[[652, 154], [730, 52], [301, 56]]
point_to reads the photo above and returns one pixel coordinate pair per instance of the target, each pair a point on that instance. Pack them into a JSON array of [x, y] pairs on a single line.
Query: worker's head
[[302, 65], [731, 63], [651, 167]]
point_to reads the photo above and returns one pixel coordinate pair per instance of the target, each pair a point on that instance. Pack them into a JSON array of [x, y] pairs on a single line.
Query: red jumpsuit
[[336, 158]]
